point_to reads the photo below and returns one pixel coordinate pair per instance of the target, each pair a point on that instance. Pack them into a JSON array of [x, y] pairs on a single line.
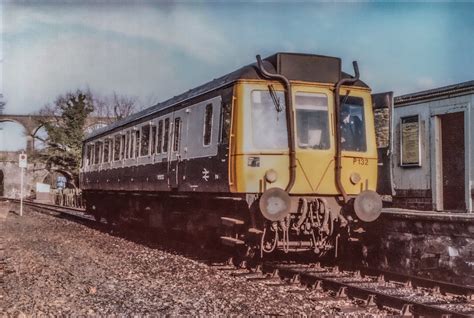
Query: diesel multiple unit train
[[277, 155]]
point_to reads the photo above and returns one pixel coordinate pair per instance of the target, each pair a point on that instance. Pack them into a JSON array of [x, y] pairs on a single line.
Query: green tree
[[64, 123]]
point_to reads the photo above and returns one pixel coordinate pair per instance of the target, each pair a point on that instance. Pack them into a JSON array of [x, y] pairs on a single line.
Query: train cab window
[[177, 134], [159, 144], [153, 139], [269, 119], [312, 123], [207, 125], [106, 150], [117, 153], [136, 143], [145, 140], [166, 136], [352, 124], [97, 152]]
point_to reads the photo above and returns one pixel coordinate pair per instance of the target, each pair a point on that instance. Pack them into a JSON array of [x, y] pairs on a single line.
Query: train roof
[[295, 66]]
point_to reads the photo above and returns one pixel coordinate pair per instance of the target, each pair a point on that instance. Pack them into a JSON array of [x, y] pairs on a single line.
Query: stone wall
[[433, 245]]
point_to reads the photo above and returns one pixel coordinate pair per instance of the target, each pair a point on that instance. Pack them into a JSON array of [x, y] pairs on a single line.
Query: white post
[[21, 191]]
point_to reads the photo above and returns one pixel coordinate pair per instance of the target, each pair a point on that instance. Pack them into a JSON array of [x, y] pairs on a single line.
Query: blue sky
[[157, 50]]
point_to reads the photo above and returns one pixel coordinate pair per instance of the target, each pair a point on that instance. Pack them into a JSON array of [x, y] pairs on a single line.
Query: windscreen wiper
[[276, 100]]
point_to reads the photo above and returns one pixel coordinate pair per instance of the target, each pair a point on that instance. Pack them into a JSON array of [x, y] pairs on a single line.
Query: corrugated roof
[[435, 93]]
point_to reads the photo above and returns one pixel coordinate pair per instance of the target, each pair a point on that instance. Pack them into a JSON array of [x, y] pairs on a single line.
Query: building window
[[145, 141], [166, 135], [128, 145], [89, 154], [177, 134], [207, 125], [410, 141], [159, 144]]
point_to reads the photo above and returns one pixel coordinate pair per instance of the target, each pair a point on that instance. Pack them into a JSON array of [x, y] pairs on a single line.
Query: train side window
[[117, 152], [106, 150], [159, 144], [90, 147], [145, 141], [153, 139], [177, 134], [225, 123], [207, 133], [166, 136], [137, 144], [352, 124], [97, 152], [127, 145]]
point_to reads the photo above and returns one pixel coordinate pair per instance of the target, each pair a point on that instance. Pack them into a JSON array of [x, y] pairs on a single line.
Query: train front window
[[352, 124], [312, 120], [269, 119]]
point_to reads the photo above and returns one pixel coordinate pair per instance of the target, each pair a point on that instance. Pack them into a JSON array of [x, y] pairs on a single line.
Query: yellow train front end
[[316, 207]]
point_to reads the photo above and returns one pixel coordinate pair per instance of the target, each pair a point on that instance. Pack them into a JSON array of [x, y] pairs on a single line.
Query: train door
[[382, 104], [177, 149]]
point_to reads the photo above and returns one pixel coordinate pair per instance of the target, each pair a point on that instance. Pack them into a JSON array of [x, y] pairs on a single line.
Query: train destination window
[[136, 143], [207, 125], [177, 134], [269, 119], [145, 141], [166, 135], [117, 147], [153, 139], [352, 124], [159, 143], [312, 120], [106, 150]]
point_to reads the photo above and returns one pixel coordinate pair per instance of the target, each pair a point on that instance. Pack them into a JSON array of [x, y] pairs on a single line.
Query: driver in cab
[[351, 130]]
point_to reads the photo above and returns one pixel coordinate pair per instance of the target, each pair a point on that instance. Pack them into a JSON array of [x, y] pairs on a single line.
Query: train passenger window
[[312, 122], [128, 145], [177, 134], [117, 153], [153, 139], [159, 144], [225, 123], [352, 124], [145, 141], [207, 125], [89, 154], [106, 150], [269, 119], [166, 136], [137, 144], [98, 152]]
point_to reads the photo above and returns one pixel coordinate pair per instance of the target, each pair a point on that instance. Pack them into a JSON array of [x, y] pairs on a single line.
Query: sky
[[155, 50]]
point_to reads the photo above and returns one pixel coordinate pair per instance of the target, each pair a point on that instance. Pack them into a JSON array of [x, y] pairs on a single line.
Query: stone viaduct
[[9, 170]]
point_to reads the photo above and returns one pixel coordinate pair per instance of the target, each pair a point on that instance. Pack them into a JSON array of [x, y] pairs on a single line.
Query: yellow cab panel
[[259, 143]]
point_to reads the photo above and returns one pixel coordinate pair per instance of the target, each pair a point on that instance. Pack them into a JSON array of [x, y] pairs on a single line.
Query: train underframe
[[319, 225]]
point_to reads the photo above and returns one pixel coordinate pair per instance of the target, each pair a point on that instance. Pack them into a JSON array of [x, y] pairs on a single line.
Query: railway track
[[366, 287]]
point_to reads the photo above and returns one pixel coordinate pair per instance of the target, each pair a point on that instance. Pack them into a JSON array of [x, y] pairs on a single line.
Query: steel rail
[[350, 289]]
